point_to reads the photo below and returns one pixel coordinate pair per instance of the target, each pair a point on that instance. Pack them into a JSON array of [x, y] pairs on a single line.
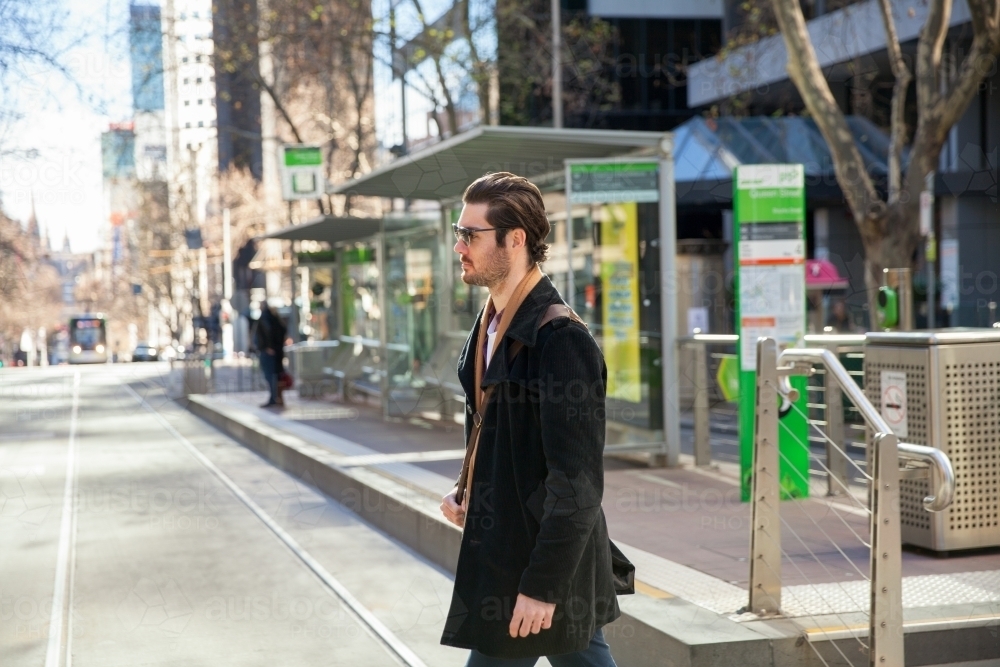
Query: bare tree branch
[[279, 106], [898, 116], [929, 49], [435, 46], [941, 106], [805, 72]]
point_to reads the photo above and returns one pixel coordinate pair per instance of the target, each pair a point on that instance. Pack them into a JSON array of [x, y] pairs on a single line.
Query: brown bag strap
[[554, 311]]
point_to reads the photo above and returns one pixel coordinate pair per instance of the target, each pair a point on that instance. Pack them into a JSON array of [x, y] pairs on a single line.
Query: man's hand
[[452, 510], [531, 616]]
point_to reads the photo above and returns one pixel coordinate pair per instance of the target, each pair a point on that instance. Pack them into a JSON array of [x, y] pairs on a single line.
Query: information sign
[[302, 175], [769, 225]]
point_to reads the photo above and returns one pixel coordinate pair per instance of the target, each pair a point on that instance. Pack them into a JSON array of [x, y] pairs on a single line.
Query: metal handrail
[[698, 343], [943, 477], [373, 343], [708, 339], [942, 473], [846, 340]]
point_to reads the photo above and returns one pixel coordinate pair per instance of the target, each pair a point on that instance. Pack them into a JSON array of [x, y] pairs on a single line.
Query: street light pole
[[227, 285], [557, 104]]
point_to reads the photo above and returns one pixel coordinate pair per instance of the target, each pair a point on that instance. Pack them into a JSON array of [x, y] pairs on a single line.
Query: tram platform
[[684, 528]]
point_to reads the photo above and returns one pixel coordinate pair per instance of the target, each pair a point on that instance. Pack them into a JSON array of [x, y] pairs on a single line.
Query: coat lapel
[[523, 327], [467, 360]]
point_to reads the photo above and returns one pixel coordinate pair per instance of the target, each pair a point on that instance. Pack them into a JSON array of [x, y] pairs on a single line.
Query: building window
[[198, 80], [184, 59], [187, 103], [197, 59], [200, 102], [212, 78], [187, 81], [187, 124], [201, 123]]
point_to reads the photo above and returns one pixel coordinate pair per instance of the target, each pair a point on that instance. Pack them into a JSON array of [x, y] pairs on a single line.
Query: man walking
[[269, 338], [534, 573]]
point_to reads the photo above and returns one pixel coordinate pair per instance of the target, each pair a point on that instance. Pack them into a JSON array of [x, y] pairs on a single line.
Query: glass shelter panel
[[615, 268], [413, 267], [359, 287], [320, 320]]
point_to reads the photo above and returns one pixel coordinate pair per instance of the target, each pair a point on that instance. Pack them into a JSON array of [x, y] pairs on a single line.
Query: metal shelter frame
[[443, 171]]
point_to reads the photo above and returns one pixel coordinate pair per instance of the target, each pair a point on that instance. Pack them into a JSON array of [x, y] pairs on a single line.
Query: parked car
[[145, 352]]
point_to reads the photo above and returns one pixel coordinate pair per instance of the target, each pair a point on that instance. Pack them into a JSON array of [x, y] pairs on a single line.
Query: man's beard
[[492, 271]]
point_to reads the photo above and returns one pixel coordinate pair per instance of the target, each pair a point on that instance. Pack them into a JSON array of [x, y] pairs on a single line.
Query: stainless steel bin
[[941, 388]]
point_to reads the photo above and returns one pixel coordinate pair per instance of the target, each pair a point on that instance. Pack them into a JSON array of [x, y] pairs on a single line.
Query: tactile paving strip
[[706, 591], [929, 590], [684, 582]]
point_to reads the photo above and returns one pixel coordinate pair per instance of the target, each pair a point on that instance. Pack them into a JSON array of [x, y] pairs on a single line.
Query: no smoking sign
[[894, 401]]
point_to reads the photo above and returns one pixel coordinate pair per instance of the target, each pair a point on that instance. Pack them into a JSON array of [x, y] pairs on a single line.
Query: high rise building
[[237, 85], [149, 122], [190, 114], [146, 55]]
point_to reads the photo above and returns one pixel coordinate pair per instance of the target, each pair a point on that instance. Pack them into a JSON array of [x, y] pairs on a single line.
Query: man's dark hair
[[513, 202]]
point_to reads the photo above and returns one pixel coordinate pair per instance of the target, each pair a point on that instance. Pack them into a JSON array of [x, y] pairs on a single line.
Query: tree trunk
[[895, 248]]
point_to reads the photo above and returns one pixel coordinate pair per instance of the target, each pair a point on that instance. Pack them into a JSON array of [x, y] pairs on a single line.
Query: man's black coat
[[535, 524]]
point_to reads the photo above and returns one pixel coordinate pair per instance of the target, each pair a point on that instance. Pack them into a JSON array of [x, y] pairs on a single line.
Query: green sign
[[302, 174], [769, 225], [610, 182], [303, 156]]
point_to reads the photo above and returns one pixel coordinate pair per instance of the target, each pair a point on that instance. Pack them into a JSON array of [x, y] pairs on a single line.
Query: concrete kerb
[[405, 514], [671, 632]]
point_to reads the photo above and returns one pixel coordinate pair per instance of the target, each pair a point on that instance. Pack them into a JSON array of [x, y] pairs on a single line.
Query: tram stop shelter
[[398, 313]]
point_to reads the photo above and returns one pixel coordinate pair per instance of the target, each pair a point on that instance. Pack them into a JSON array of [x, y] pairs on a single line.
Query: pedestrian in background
[[534, 574], [840, 320], [269, 339]]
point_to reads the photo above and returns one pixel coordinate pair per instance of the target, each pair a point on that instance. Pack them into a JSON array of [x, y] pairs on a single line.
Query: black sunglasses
[[465, 234]]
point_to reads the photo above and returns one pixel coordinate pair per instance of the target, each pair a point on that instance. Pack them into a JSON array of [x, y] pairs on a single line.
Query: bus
[[88, 340]]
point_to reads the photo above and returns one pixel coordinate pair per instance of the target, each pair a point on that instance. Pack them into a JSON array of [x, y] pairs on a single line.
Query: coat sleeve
[[571, 405]]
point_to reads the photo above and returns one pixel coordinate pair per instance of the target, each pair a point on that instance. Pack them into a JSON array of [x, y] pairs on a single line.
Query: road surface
[[135, 534]]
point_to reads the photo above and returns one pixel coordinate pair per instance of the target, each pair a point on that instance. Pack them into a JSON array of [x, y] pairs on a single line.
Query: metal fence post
[[886, 618], [702, 444], [669, 453], [836, 463], [765, 527]]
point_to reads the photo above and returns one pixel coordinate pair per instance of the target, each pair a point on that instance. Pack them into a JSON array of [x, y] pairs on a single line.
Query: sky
[[53, 151]]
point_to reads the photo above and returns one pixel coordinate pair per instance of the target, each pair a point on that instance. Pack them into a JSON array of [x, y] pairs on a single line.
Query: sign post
[[302, 174], [769, 223]]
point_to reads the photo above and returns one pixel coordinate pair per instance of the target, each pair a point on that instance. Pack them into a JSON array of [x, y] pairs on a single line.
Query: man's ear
[[520, 237]]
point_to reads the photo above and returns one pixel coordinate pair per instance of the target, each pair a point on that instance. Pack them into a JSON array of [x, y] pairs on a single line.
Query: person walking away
[[269, 338], [534, 574]]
